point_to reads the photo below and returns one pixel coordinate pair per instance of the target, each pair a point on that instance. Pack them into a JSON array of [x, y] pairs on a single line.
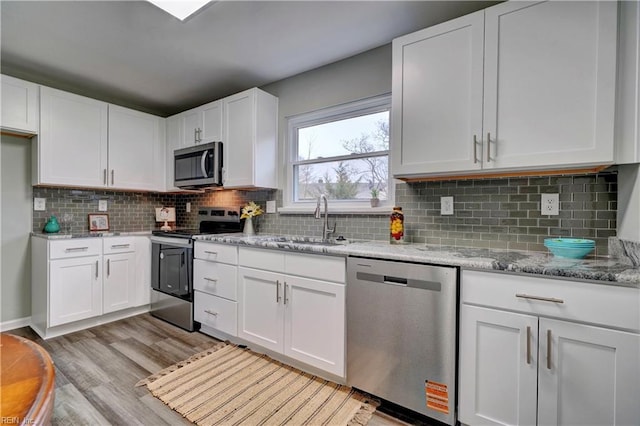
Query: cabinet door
[[498, 367], [174, 130], [119, 285], [240, 130], [587, 375], [143, 271], [72, 145], [437, 98], [260, 308], [549, 83], [211, 122], [191, 125], [134, 149], [314, 326], [75, 289], [20, 108]]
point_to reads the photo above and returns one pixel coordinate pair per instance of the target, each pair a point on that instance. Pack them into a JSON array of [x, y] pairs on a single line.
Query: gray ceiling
[[134, 54]]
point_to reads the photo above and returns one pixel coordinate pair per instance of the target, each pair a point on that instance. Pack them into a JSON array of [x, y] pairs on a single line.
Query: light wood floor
[[96, 370]]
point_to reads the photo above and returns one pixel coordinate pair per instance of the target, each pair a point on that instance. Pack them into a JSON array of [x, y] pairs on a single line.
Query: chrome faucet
[[325, 229]]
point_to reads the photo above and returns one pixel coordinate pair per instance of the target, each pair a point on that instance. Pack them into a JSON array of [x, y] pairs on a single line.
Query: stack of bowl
[[571, 248]]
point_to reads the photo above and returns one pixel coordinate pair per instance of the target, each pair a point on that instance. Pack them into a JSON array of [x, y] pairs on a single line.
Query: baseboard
[[16, 323]]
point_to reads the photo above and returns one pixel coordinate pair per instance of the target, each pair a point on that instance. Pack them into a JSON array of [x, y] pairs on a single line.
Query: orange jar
[[396, 226]]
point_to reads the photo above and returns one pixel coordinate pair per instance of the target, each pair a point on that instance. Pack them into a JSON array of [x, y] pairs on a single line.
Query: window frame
[[327, 115]]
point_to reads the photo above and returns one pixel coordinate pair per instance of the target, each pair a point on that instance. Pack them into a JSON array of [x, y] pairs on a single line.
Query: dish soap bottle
[[52, 225], [396, 226]]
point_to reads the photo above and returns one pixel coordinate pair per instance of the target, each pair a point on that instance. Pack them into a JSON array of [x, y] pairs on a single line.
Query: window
[[342, 152]]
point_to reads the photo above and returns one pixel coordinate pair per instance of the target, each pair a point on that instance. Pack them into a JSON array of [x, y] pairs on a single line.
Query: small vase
[[248, 227], [52, 225]]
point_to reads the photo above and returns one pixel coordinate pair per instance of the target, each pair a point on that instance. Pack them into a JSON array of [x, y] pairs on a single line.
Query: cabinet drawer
[[118, 245], [216, 252], [215, 278], [75, 247], [269, 260], [326, 268], [589, 302], [216, 312]]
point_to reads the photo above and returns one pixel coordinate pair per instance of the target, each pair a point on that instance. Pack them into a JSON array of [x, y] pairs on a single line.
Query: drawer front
[[327, 268], [75, 247], [269, 260], [215, 278], [589, 302], [118, 245], [216, 312], [224, 253]]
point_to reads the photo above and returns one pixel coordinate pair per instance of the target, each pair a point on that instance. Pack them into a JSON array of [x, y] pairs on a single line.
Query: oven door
[[172, 267]]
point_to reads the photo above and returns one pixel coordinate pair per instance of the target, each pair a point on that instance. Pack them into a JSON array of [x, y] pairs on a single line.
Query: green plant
[[374, 192]]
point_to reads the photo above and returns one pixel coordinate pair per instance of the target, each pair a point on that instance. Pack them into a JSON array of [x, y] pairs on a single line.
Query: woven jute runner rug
[[230, 385]]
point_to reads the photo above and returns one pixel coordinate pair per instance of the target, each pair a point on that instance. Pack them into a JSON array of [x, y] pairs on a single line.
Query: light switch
[[446, 205], [188, 207], [39, 204], [271, 206], [102, 205]]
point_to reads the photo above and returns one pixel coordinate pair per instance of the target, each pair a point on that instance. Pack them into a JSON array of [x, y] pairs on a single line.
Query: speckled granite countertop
[[604, 269], [64, 236]]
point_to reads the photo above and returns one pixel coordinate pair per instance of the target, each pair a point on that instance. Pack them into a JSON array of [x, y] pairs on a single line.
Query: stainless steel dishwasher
[[402, 334]]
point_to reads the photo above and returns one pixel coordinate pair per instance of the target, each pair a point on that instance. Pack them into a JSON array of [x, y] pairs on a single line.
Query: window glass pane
[[367, 133], [342, 180]]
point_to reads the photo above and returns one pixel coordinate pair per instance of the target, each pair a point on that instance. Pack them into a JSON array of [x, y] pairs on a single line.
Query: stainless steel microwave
[[198, 166]]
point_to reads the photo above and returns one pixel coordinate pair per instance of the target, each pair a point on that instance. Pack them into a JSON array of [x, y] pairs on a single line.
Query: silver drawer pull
[[540, 298], [528, 344], [213, 280], [117, 246], [211, 252], [215, 314], [549, 340], [70, 249]]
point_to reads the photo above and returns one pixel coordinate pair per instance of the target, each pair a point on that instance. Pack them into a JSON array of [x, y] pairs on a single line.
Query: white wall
[[15, 219], [358, 77]]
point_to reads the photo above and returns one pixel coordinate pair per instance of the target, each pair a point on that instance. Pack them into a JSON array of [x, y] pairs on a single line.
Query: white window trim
[[334, 113]]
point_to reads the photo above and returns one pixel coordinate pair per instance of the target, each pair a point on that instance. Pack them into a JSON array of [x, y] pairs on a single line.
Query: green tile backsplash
[[492, 213]]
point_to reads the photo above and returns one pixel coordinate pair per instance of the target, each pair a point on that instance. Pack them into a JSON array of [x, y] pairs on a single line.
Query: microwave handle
[[203, 163]]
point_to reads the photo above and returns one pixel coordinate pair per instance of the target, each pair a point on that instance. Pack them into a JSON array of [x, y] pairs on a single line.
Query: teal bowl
[[569, 249]]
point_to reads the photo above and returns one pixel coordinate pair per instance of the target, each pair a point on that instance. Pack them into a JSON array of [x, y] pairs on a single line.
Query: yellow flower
[[251, 210]]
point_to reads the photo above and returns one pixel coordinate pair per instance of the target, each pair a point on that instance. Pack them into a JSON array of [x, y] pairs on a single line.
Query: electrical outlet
[[102, 205], [271, 206], [188, 207], [549, 204], [446, 205], [39, 204]]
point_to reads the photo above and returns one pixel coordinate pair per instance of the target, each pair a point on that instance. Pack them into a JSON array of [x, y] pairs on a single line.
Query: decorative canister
[[396, 226], [52, 225]]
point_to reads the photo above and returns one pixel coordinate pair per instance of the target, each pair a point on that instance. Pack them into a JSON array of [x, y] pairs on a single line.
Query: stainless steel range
[[172, 264]]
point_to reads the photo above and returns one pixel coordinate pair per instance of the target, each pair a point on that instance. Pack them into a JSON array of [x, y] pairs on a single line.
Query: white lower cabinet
[[301, 317], [215, 288], [80, 279], [523, 368]]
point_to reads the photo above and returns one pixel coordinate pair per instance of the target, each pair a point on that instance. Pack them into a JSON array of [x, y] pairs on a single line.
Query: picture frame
[[98, 222]]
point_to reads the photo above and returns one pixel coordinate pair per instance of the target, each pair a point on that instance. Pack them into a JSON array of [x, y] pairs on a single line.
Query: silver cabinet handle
[[195, 135], [475, 149], [285, 293], [199, 134], [540, 298], [213, 280], [528, 344], [488, 147], [104, 176], [211, 252], [72, 249], [277, 291], [215, 314], [96, 269], [112, 178], [117, 246], [108, 267], [549, 349]]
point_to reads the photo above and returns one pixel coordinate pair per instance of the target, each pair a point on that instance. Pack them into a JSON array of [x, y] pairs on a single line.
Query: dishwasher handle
[[399, 281]]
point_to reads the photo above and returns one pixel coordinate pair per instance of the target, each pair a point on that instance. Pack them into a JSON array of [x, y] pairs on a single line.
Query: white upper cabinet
[[20, 108], [88, 143], [545, 73], [437, 98], [628, 85], [202, 124], [250, 140], [135, 151], [174, 126], [72, 145]]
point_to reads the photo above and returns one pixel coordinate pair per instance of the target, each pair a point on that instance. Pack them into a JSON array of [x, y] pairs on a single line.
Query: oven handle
[[176, 242]]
